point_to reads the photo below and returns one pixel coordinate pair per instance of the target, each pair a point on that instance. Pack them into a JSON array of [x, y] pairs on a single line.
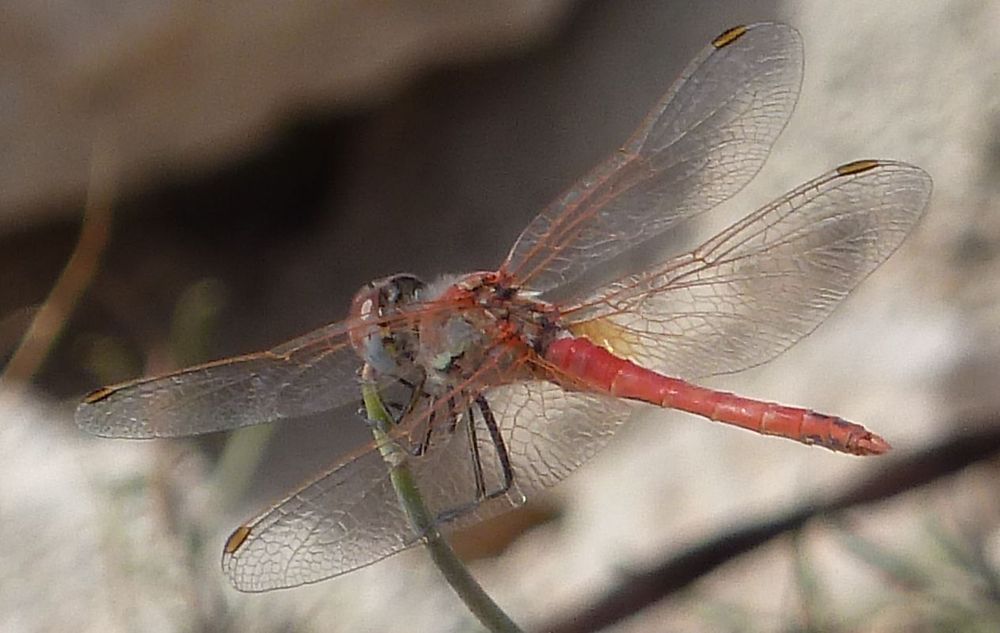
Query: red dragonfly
[[502, 383]]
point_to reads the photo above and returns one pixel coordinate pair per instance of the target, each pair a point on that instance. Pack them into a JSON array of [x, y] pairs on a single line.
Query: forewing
[[704, 140], [752, 291], [307, 375]]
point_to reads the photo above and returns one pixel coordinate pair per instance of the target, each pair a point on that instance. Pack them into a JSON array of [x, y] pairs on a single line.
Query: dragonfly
[[501, 383]]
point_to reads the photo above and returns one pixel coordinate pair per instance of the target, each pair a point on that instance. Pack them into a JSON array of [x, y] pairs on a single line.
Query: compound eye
[[406, 287]]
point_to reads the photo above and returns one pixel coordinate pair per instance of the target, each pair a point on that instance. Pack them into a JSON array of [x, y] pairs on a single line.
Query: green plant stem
[[444, 557], [240, 458]]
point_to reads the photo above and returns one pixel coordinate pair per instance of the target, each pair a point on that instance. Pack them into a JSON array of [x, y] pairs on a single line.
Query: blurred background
[[182, 181]]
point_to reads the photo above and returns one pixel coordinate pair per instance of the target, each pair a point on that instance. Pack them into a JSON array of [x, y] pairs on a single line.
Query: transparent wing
[[310, 374], [346, 519], [705, 139], [350, 517], [549, 431], [753, 290]]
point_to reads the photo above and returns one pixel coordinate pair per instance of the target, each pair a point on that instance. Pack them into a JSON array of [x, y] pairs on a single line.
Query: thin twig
[[647, 587], [448, 563]]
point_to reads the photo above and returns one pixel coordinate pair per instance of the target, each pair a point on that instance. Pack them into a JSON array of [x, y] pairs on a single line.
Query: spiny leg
[[499, 445], [395, 408], [451, 415], [425, 443], [416, 391], [477, 462]]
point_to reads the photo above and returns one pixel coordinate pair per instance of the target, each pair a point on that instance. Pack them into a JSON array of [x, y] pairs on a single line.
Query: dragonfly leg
[[396, 409], [503, 457], [422, 445], [477, 462], [451, 415], [416, 392]]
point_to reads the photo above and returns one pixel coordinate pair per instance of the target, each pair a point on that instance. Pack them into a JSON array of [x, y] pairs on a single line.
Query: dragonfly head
[[384, 340]]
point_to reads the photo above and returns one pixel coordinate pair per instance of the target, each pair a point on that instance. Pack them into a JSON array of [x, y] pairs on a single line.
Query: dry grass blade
[[51, 317]]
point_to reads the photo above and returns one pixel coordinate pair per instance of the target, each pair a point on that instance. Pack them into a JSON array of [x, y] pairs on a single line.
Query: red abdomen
[[602, 371]]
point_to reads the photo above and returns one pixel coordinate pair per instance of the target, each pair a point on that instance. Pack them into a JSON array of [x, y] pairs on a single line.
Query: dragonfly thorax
[[481, 324]]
